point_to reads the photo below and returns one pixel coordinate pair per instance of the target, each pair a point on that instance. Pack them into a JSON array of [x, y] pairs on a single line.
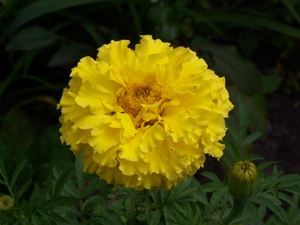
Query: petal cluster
[[146, 117]]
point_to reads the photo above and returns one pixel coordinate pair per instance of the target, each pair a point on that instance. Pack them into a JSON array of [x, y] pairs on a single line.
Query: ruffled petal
[[177, 122]]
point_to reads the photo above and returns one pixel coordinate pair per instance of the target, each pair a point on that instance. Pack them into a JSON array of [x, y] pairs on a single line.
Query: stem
[[237, 209]]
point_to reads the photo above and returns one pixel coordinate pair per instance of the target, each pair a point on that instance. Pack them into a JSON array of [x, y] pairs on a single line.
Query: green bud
[[6, 203], [242, 182]]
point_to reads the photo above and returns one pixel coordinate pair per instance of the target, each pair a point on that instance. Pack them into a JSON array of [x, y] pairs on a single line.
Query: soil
[[283, 142]]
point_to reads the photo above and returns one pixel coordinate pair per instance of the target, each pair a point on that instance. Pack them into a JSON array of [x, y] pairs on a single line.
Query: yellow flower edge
[[146, 117]]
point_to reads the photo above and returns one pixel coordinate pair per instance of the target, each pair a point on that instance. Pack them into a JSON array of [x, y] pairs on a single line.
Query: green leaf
[[62, 180], [34, 220], [211, 176], [230, 64], [58, 201], [3, 172], [22, 190], [40, 8], [251, 20], [68, 187], [92, 202], [262, 211], [31, 38], [176, 196], [262, 166], [234, 133], [71, 53], [155, 217], [253, 157], [292, 10], [160, 197], [17, 172], [271, 202], [2, 182], [288, 180], [283, 196], [79, 171], [243, 117], [231, 149], [110, 217], [130, 210], [251, 138]]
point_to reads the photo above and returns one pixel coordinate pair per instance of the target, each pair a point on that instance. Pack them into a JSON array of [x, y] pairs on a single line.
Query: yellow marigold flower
[[145, 117]]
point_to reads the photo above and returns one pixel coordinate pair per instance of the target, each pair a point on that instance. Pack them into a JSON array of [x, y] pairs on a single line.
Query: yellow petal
[[177, 122], [148, 46], [108, 158], [129, 168], [130, 150], [103, 138], [151, 137]]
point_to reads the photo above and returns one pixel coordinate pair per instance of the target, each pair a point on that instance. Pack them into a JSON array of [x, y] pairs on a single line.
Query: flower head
[[145, 117], [6, 203], [242, 181]]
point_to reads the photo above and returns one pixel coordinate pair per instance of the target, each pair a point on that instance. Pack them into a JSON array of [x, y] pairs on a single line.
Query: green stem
[[237, 209]]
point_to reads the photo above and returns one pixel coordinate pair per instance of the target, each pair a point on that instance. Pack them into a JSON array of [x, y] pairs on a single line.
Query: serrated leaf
[[130, 210], [17, 172], [286, 198], [155, 217], [210, 187], [69, 187], [23, 188], [288, 180], [262, 166], [185, 195], [261, 211], [92, 202], [231, 149], [62, 180], [110, 217], [160, 196], [34, 220], [271, 202], [251, 138], [59, 201], [55, 217], [31, 38], [79, 171], [211, 176], [234, 133]]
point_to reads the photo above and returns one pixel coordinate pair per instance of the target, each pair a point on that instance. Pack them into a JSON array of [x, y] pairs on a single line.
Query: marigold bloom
[[145, 117]]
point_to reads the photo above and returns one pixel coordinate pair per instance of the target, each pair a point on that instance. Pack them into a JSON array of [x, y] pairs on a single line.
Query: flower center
[[134, 95]]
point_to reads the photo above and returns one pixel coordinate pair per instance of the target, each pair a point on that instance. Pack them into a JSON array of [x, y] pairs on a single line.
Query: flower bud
[[242, 182], [6, 203]]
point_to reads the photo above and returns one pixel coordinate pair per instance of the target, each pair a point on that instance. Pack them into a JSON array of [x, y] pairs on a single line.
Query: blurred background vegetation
[[254, 44]]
